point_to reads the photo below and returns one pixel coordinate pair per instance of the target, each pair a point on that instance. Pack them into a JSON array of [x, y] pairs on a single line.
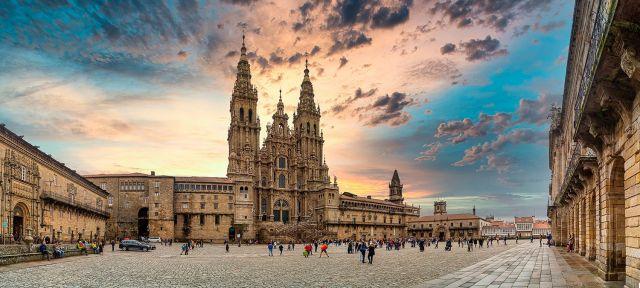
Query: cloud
[[240, 2], [275, 59], [314, 50], [447, 48], [535, 111], [458, 131], [517, 136], [497, 15], [548, 27], [431, 152], [387, 17], [436, 68], [482, 49], [359, 94], [295, 58], [343, 61], [348, 40], [498, 163], [388, 109]]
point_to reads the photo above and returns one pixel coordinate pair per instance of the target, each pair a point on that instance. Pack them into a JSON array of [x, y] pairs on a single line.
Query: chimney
[[153, 173]]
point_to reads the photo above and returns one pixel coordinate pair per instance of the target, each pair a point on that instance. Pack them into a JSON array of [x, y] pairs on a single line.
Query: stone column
[[583, 227]]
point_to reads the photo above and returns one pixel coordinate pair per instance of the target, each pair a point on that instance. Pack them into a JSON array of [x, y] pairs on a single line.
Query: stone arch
[[241, 114], [614, 204], [143, 222], [20, 221]]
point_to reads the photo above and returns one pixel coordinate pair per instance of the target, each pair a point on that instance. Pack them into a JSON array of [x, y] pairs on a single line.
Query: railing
[[574, 162], [72, 203], [600, 28]]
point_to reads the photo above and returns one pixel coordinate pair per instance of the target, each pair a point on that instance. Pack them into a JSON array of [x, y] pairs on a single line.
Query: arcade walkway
[[527, 265]]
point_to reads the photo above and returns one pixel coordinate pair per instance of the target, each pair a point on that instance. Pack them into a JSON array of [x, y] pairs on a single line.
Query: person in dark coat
[[363, 250], [372, 251]]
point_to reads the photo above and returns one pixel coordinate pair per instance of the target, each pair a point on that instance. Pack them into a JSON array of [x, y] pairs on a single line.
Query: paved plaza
[[499, 266]]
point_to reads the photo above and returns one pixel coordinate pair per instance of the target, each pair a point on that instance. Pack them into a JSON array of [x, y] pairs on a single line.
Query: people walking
[[421, 245], [226, 246], [323, 249], [307, 250], [113, 245], [280, 247], [270, 247], [315, 244], [372, 252], [363, 250]]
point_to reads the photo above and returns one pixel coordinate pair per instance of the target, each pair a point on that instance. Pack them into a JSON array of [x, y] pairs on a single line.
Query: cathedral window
[[250, 115], [282, 162], [315, 130], [281, 130], [282, 181], [241, 114], [264, 181], [23, 173], [308, 128]]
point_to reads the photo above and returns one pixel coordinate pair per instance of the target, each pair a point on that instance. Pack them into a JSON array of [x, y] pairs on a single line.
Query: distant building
[[524, 226], [499, 228], [445, 226], [541, 228]]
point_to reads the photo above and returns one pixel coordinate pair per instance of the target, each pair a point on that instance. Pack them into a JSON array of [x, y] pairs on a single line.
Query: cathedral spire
[[306, 93]]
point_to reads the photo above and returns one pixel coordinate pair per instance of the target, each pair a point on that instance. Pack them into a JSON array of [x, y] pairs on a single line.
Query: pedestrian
[[270, 247], [315, 244], [44, 251], [113, 245], [323, 249], [307, 250], [540, 238], [363, 250], [281, 248], [372, 251], [226, 246], [421, 245]]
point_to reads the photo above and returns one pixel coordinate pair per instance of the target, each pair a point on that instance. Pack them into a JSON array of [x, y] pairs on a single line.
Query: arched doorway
[[18, 222], [143, 222], [281, 211], [616, 234], [232, 233]]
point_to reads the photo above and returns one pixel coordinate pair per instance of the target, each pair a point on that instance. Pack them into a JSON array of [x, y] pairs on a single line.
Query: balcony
[[580, 162], [49, 196]]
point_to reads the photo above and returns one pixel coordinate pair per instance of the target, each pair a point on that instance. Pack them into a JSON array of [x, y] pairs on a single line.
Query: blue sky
[[453, 94]]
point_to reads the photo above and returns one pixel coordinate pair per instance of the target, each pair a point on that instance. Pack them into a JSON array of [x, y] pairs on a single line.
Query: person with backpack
[[307, 250], [280, 247], [270, 247]]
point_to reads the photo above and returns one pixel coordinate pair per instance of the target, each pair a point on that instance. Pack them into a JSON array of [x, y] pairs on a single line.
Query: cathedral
[[277, 189]]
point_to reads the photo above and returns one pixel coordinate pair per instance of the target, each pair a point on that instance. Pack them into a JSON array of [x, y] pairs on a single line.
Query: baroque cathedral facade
[[278, 188]]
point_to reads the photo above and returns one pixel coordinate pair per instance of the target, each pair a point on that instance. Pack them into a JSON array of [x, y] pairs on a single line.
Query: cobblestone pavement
[[527, 265], [243, 267]]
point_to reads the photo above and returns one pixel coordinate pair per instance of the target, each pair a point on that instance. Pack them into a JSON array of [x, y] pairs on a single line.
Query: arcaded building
[[42, 198], [444, 226], [273, 189], [594, 141]]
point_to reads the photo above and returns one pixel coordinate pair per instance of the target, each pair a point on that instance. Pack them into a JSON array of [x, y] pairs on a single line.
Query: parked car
[[133, 244], [154, 240]]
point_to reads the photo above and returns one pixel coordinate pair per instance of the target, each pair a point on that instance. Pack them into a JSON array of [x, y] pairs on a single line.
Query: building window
[[157, 184], [23, 173], [230, 206], [282, 181], [230, 198], [215, 206], [282, 162], [201, 205], [157, 205], [157, 193], [201, 219], [103, 186], [110, 201], [217, 219], [185, 205]]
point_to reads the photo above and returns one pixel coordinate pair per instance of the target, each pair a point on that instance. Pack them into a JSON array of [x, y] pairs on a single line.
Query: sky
[[454, 94]]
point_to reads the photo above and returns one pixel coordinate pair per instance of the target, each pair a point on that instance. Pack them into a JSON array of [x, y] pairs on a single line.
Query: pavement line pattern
[[527, 265]]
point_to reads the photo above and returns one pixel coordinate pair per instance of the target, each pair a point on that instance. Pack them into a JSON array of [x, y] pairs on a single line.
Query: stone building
[[541, 228], [273, 189], [500, 229], [444, 226], [43, 198], [593, 141], [524, 226]]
